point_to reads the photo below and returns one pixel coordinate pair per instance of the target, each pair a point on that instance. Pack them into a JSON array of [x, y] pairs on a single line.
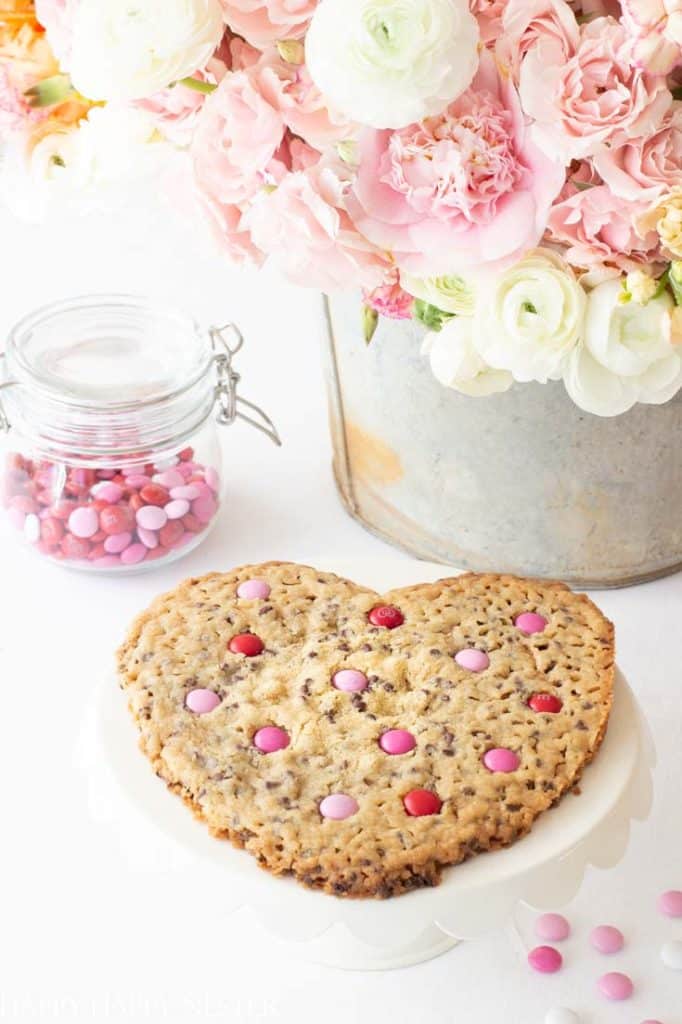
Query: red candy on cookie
[[246, 643], [420, 802], [545, 703], [386, 615]]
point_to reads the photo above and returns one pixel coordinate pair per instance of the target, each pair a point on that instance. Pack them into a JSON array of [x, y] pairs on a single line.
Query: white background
[[88, 930]]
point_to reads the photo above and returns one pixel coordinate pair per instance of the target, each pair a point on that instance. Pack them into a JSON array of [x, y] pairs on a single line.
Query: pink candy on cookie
[[500, 759], [201, 701], [530, 622], [271, 738], [338, 806], [253, 590], [350, 680], [397, 741], [473, 660]]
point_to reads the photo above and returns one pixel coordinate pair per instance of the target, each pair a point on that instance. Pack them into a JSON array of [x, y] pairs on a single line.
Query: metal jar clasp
[[230, 404]]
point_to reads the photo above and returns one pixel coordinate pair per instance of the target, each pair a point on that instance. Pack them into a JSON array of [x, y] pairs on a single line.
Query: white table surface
[[89, 934]]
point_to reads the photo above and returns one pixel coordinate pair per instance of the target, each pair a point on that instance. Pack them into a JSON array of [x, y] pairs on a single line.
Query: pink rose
[[266, 21], [303, 227], [234, 239], [643, 168], [656, 26], [236, 141], [598, 228], [527, 21], [389, 299], [488, 14], [463, 189], [290, 90], [597, 96]]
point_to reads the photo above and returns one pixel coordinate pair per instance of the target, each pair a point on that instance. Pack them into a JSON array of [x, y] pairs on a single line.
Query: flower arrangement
[[507, 172]]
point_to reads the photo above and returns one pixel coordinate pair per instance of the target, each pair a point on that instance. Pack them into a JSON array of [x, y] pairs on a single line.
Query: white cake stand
[[545, 869]]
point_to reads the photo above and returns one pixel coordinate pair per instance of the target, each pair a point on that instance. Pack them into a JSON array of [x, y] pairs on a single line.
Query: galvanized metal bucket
[[522, 482]]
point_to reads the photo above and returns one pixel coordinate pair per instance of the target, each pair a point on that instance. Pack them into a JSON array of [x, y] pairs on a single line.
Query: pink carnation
[[290, 90], [266, 21], [597, 96], [302, 225], [389, 299], [643, 168], [465, 188], [525, 22], [598, 228], [656, 26]]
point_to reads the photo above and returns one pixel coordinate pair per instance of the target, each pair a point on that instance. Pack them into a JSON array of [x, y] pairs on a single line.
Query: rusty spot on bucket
[[370, 458]]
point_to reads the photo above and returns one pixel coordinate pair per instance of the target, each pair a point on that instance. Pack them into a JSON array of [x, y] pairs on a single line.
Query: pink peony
[[596, 97], [527, 21], [266, 21], [236, 141], [598, 228], [302, 225], [643, 168], [235, 240], [290, 90], [656, 26], [389, 299], [489, 17], [465, 188]]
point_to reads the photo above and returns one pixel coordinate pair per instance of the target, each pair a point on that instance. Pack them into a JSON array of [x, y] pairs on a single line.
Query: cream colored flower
[[451, 293], [456, 363], [530, 318], [640, 286], [665, 217], [389, 63]]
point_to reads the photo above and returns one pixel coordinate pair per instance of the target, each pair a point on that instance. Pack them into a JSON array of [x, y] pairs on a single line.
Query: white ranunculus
[[456, 363], [627, 355], [530, 318], [129, 49], [451, 293], [387, 63]]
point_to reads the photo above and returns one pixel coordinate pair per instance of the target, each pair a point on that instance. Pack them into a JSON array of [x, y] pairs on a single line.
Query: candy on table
[[545, 959], [670, 903], [615, 986], [114, 517], [552, 927], [607, 939], [671, 955], [562, 1015]]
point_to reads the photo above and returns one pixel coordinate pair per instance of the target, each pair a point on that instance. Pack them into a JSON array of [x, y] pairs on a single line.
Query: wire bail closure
[[229, 401]]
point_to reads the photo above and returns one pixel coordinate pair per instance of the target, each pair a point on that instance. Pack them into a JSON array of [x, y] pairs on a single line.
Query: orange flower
[[24, 50]]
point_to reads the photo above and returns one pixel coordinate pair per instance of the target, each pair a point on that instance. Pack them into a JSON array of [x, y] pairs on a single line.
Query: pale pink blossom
[[303, 227], [596, 97], [466, 188], [488, 14], [656, 26], [15, 113], [526, 21], [290, 90], [236, 140], [225, 221], [265, 21], [598, 228], [579, 175], [56, 17], [643, 168], [389, 299]]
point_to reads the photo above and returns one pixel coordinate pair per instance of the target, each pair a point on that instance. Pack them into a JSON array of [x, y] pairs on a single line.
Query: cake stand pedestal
[[543, 870]]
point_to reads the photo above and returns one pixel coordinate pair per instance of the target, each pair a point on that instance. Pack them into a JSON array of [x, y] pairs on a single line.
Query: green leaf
[[50, 91], [370, 322], [430, 316], [197, 85]]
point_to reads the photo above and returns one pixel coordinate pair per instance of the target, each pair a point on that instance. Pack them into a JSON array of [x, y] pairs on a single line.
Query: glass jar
[[113, 462]]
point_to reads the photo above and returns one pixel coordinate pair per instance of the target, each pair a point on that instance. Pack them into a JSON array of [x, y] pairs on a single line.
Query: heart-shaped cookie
[[362, 743]]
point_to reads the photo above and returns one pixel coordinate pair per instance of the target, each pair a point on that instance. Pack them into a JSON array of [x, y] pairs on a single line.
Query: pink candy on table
[[552, 927], [615, 986], [607, 939], [545, 959], [500, 759], [670, 903]]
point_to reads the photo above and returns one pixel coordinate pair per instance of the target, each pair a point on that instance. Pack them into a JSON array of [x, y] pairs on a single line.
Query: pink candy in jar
[[111, 406]]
